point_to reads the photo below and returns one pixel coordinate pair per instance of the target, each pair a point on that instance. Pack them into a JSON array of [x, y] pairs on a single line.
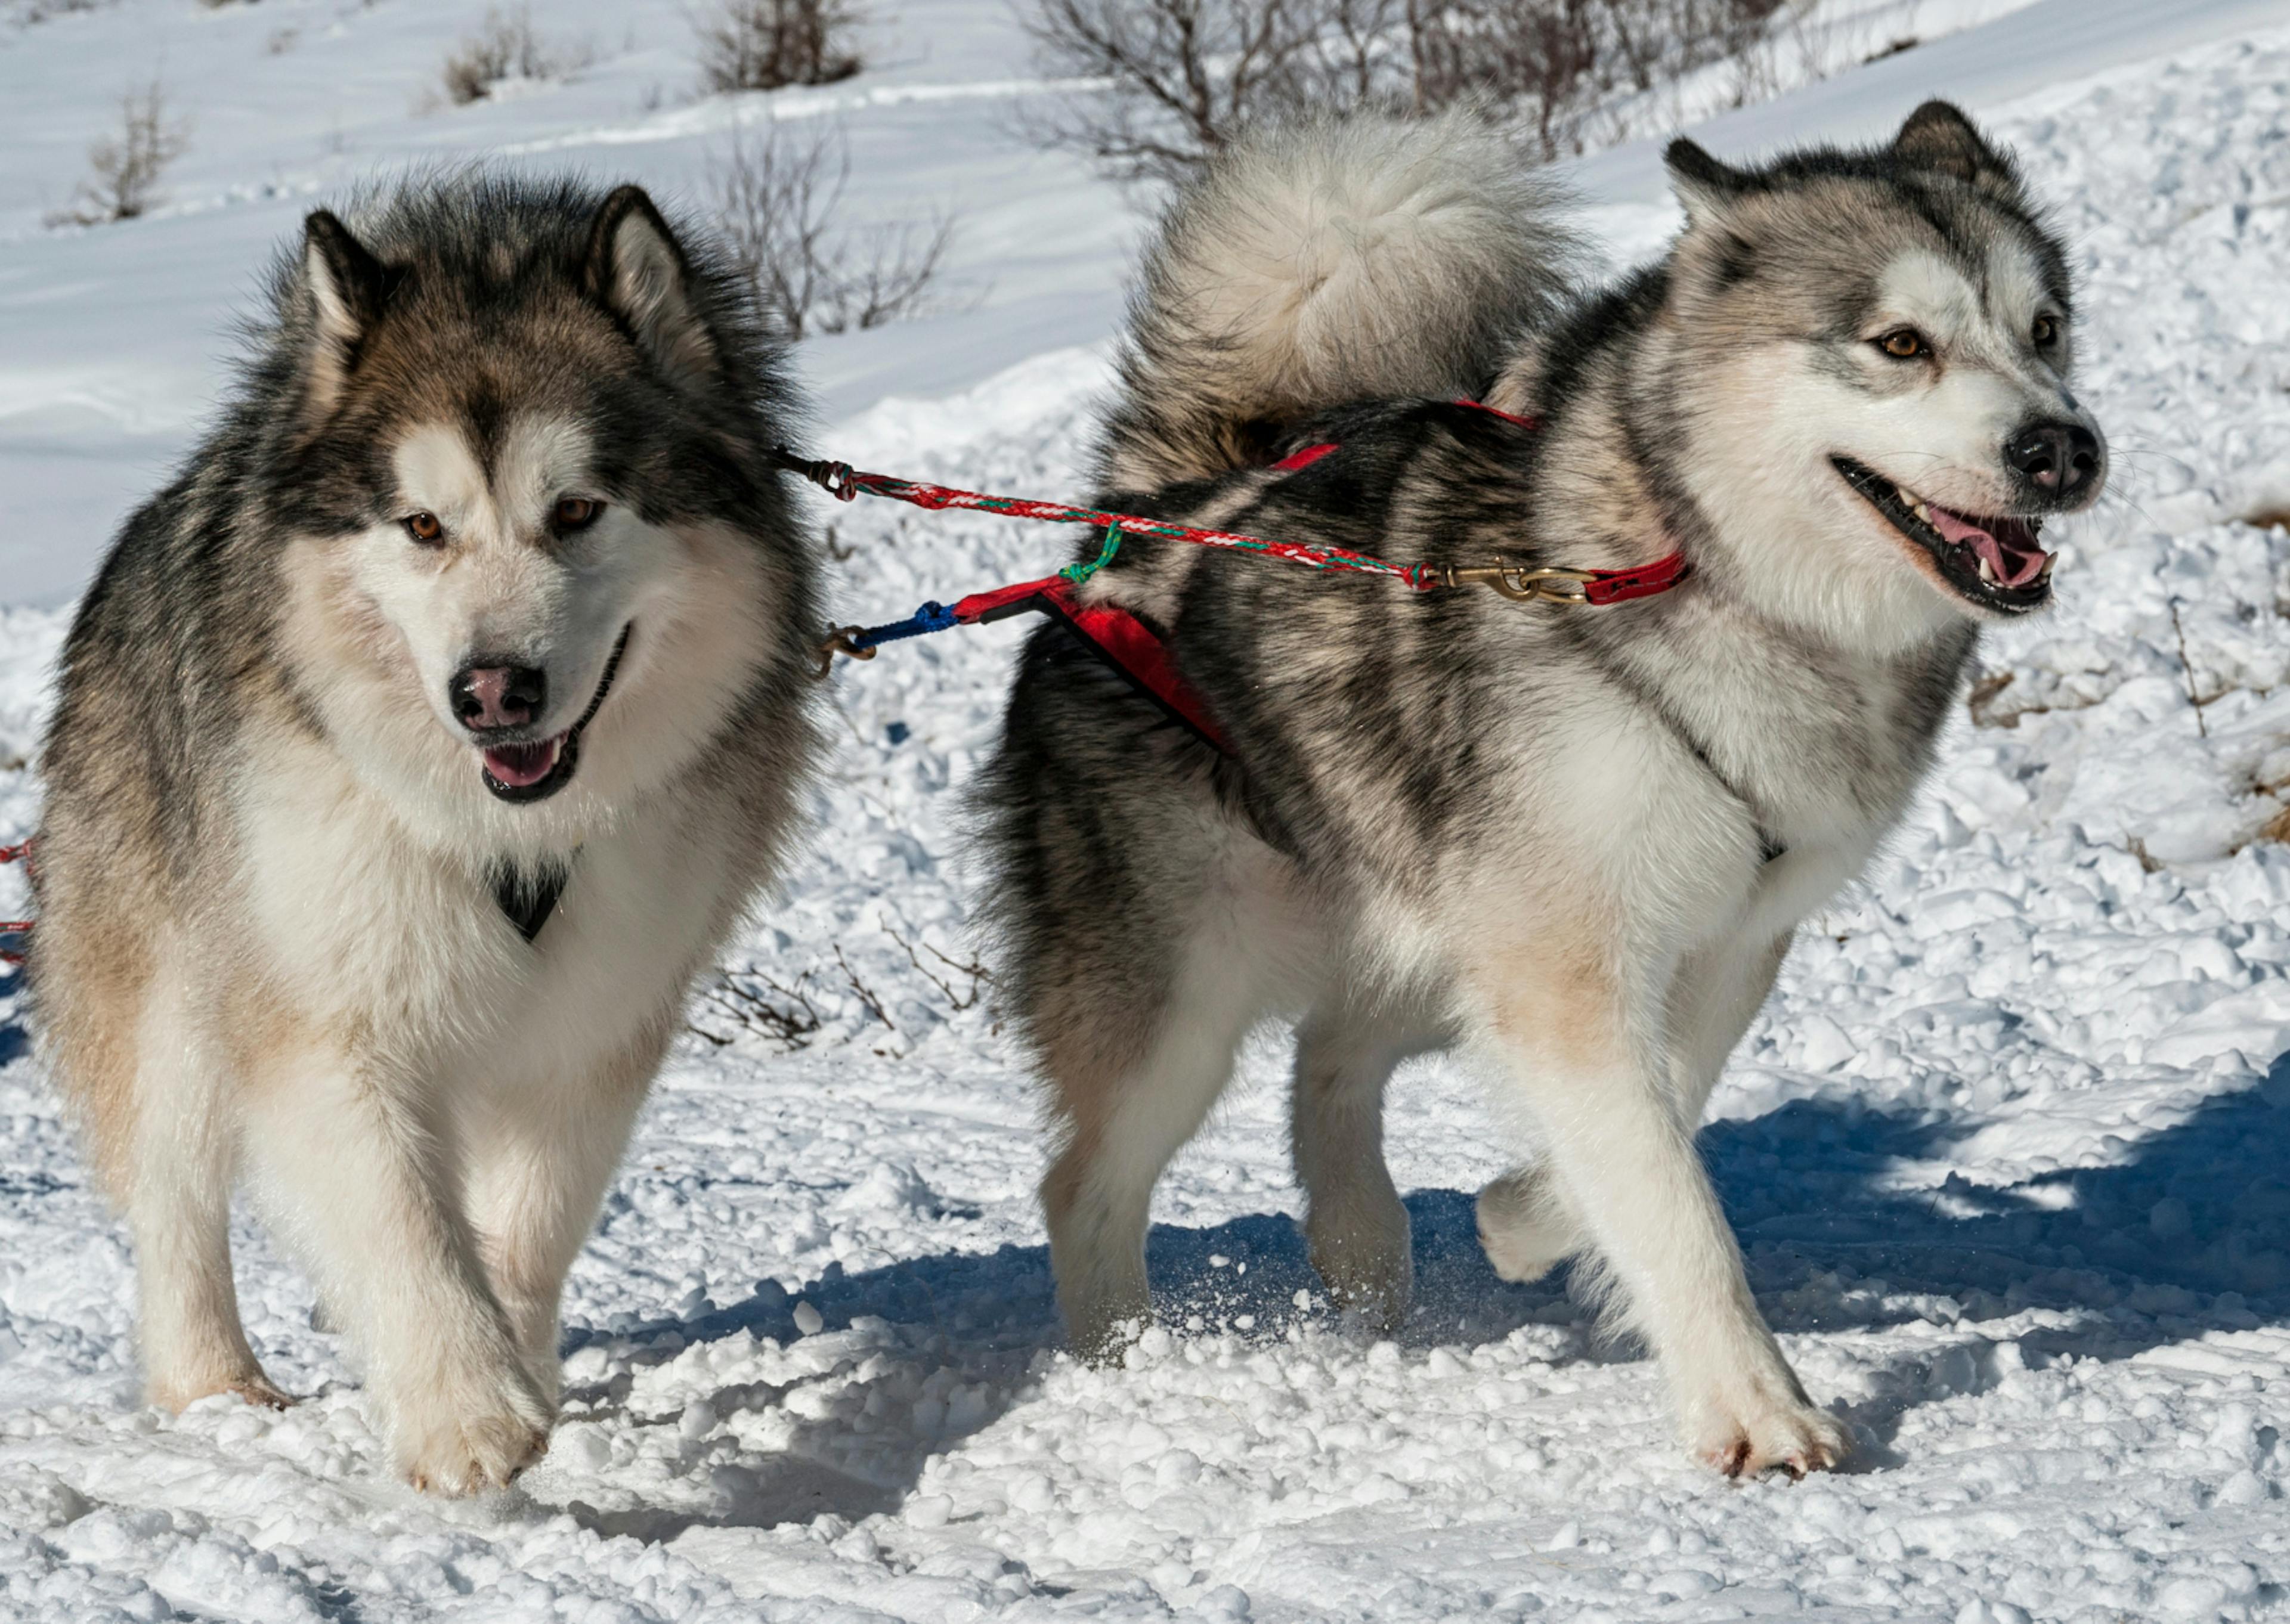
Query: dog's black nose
[[486, 699], [2058, 459]]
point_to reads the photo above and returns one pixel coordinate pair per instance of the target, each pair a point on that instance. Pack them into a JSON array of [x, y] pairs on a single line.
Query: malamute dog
[[1574, 841], [414, 750]]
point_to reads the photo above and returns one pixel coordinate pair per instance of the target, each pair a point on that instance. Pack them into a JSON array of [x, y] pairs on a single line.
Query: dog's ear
[[1705, 184], [637, 270], [1938, 136], [349, 287]]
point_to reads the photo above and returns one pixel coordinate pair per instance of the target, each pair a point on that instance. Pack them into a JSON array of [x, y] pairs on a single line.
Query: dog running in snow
[[415, 749], [1573, 842]]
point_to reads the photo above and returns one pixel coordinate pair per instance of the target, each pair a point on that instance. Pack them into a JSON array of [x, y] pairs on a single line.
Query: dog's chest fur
[[1821, 745], [362, 929]]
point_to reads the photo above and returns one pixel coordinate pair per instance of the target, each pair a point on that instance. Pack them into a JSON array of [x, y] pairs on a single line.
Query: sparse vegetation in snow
[[125, 165], [766, 44], [507, 47]]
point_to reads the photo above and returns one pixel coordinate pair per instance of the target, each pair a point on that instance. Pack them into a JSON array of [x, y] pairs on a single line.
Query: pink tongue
[[2011, 551], [519, 764]]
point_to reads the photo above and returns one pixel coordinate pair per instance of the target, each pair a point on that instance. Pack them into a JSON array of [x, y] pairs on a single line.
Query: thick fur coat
[[1571, 842], [414, 750]]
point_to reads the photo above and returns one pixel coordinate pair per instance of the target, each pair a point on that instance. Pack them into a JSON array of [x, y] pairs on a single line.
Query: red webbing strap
[[1304, 457], [1507, 417], [999, 602], [1619, 586], [1115, 636], [18, 928], [1131, 646]]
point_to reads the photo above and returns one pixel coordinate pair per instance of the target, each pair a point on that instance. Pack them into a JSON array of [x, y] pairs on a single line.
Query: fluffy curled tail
[[1324, 261]]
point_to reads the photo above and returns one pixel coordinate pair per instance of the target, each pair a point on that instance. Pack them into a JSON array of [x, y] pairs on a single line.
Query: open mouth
[[1996, 562], [535, 770]]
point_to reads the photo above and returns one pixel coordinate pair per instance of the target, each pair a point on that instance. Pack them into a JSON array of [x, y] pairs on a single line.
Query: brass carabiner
[[838, 641], [1546, 585]]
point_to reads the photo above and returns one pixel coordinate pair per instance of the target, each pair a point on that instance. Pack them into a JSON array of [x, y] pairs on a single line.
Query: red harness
[[1113, 634]]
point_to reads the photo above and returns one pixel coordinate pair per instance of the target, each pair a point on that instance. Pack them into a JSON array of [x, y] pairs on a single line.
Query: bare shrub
[[753, 1004], [507, 47], [1187, 76], [777, 199], [763, 45], [127, 167], [1562, 69]]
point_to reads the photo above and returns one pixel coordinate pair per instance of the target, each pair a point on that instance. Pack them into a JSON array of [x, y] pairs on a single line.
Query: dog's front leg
[[348, 1152], [1583, 1043], [536, 1174], [1526, 1226]]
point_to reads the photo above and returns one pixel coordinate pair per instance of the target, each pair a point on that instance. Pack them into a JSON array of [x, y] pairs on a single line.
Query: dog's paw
[[256, 1390], [1104, 1344], [1770, 1434], [1370, 1284], [180, 1392], [1525, 1234], [499, 1427]]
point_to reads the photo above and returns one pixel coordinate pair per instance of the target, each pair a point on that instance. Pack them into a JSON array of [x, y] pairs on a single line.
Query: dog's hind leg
[[1355, 1224], [175, 1157], [361, 1159], [1526, 1226], [1122, 1124], [1125, 1108], [538, 1166]]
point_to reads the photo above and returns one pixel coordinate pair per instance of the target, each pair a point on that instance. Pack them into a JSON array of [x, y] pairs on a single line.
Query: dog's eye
[[2046, 331], [1904, 344], [576, 513], [424, 527]]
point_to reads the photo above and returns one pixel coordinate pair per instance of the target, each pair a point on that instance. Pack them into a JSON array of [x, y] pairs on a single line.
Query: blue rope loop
[[932, 617]]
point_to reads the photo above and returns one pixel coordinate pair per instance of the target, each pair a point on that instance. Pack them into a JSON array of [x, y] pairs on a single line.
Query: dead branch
[[865, 994], [777, 200], [779, 1014], [980, 978]]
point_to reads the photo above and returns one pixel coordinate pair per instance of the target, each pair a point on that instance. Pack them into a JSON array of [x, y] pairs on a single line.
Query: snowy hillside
[[2009, 1153]]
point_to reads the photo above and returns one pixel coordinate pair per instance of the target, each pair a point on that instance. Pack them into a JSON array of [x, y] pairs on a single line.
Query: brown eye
[[424, 527], [576, 513], [2046, 330], [1904, 344]]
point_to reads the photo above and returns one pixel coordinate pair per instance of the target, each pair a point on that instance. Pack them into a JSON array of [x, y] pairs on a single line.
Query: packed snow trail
[[2009, 1154]]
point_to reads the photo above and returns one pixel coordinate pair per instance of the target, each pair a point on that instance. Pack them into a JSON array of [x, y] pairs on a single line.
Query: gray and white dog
[[415, 748], [1574, 841]]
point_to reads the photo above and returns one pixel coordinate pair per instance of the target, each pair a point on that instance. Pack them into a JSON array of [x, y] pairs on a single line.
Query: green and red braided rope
[[846, 483]]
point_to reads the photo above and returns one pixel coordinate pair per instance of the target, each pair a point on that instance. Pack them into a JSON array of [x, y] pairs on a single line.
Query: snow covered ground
[[2009, 1153]]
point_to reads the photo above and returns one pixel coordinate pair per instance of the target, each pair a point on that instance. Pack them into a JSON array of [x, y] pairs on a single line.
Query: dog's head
[[1869, 353], [525, 497]]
